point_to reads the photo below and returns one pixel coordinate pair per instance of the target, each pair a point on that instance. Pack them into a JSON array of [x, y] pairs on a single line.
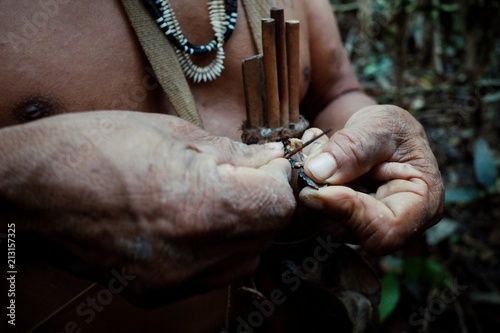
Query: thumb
[[349, 154]]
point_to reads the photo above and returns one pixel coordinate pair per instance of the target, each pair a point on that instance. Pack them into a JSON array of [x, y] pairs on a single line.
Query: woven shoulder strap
[[163, 59], [255, 11]]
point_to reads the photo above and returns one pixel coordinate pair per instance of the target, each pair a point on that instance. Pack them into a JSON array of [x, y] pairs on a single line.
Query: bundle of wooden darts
[[272, 83]]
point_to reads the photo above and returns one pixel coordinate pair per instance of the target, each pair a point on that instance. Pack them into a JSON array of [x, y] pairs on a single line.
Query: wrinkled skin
[[173, 188], [186, 210], [387, 149]]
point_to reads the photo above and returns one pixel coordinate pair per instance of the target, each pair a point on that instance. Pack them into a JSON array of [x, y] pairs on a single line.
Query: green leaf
[[442, 230], [370, 69], [425, 270], [484, 164], [491, 98], [461, 195], [390, 295], [434, 272]]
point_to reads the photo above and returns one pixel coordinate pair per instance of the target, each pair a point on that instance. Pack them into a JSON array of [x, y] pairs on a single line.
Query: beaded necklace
[[223, 15]]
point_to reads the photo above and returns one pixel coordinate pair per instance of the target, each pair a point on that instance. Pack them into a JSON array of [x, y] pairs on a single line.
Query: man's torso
[[85, 56], [67, 56]]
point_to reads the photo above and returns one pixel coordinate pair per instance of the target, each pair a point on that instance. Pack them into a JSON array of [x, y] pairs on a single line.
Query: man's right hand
[[179, 209]]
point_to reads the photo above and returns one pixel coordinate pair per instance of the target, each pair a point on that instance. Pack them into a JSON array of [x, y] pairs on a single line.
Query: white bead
[[220, 23]]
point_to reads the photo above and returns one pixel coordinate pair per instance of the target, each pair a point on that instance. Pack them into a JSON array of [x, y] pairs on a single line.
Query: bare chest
[[84, 56]]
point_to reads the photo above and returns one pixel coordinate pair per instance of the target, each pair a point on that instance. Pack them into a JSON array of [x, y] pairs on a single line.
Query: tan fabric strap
[[162, 57], [255, 11]]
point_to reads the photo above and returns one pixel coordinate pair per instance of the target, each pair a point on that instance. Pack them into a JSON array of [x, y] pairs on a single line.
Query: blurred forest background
[[440, 59]]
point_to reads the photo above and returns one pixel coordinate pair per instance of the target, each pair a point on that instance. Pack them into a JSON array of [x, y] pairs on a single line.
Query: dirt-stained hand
[[182, 210], [386, 188]]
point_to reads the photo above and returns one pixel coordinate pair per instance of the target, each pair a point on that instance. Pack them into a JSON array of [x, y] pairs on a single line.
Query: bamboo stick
[[271, 73], [278, 14], [293, 59], [253, 84]]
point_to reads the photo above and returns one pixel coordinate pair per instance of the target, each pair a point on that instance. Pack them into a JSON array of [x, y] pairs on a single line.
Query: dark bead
[[156, 13]]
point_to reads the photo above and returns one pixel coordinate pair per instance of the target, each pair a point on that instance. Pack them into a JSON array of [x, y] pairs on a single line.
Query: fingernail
[[310, 200], [322, 166], [308, 135]]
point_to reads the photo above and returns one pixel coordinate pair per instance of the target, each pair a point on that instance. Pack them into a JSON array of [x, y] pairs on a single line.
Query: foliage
[[390, 295], [484, 164], [439, 60]]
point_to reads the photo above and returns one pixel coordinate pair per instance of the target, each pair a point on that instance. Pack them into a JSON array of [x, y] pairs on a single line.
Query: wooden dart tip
[[296, 150]]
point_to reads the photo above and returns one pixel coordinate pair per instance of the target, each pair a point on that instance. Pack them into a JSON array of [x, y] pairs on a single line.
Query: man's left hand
[[385, 185]]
